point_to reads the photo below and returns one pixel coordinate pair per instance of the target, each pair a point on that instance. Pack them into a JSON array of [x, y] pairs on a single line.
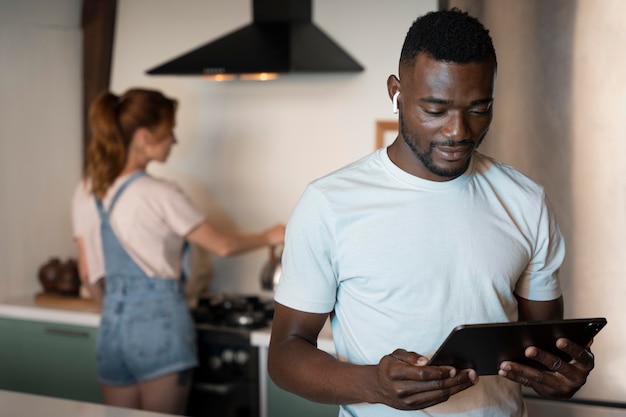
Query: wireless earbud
[[395, 102]]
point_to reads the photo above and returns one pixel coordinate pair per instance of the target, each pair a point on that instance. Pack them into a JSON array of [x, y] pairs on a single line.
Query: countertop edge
[[25, 309], [20, 404], [261, 338]]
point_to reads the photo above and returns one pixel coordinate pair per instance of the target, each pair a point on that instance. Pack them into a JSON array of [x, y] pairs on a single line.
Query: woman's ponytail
[[107, 150]]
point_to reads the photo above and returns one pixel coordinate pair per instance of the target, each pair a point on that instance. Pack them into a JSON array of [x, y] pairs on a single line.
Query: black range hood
[[281, 39]]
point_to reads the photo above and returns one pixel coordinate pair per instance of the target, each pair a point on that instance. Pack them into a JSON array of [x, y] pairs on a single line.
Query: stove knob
[[228, 355], [215, 363], [241, 357]]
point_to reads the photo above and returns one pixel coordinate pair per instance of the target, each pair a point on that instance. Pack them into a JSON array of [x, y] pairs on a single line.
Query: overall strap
[[129, 180]]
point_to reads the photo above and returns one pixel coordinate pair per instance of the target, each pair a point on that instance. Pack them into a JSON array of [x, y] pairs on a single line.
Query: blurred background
[[247, 149]]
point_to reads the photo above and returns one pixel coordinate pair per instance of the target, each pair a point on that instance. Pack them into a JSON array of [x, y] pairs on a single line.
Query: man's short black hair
[[449, 35]]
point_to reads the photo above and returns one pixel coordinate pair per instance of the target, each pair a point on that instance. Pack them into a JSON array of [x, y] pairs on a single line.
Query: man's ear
[[393, 86]]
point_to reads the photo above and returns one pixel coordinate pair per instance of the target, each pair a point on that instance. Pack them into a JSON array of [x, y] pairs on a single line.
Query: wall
[[40, 136], [558, 116], [248, 149]]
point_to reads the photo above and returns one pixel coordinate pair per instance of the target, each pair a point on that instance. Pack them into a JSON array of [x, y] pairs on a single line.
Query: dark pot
[[69, 280], [49, 275]]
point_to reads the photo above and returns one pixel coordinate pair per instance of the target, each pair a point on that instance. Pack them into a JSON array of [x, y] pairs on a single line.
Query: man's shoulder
[[504, 175], [354, 170]]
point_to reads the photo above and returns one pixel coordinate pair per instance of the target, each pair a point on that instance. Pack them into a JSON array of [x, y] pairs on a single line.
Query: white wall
[[598, 141], [559, 116], [248, 149], [40, 136]]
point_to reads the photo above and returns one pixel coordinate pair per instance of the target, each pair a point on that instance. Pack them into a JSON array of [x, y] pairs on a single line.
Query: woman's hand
[[275, 235]]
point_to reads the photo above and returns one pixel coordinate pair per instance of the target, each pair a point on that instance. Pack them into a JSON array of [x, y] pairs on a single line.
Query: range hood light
[[219, 77], [261, 76], [281, 39]]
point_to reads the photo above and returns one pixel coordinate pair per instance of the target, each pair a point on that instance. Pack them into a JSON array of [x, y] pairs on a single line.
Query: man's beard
[[426, 157]]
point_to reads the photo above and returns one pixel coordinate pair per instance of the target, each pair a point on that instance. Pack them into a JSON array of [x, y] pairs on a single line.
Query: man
[[405, 244]]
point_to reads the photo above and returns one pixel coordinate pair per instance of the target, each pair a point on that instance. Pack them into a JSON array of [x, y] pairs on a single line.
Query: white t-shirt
[[150, 218], [400, 261]]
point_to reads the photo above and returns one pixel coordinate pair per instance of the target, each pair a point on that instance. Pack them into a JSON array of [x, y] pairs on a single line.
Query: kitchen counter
[[261, 338], [26, 308], [16, 404]]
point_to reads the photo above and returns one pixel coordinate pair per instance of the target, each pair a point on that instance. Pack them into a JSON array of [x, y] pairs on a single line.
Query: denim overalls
[[146, 330]]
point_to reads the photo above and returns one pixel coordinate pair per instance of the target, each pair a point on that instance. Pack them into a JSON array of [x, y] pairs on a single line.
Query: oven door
[[233, 399], [226, 381]]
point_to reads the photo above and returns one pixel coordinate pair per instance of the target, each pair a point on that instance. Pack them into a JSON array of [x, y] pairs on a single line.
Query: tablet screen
[[484, 346]]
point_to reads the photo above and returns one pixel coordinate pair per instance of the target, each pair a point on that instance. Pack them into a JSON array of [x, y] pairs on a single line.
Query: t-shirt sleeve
[[80, 214], [179, 212], [540, 281], [308, 281]]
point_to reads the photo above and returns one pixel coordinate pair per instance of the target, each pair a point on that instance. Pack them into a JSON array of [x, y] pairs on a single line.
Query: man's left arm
[[561, 379]]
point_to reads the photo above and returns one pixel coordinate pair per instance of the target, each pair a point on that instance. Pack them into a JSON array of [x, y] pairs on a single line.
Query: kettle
[[270, 275]]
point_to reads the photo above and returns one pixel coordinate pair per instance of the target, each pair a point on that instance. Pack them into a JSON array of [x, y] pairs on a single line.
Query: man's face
[[445, 112]]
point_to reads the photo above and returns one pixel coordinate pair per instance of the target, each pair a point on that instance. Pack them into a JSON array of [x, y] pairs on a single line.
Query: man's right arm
[[400, 380]]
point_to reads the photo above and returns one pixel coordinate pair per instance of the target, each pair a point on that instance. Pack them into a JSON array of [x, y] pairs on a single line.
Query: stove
[[233, 312], [226, 381]]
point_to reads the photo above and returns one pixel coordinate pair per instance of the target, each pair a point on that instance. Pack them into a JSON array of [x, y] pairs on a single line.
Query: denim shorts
[[146, 331]]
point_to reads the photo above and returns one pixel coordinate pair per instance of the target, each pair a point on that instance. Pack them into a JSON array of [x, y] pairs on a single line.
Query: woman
[[130, 227]]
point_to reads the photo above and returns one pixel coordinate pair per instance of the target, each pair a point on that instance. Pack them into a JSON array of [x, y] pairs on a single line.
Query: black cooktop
[[237, 311]]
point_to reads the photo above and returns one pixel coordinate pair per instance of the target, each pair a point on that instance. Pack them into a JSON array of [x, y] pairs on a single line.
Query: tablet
[[484, 346]]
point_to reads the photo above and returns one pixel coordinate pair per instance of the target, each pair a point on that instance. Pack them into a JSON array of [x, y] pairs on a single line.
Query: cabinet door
[[9, 369], [55, 360]]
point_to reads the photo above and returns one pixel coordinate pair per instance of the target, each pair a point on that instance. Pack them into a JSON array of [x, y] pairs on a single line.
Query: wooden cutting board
[[65, 301]]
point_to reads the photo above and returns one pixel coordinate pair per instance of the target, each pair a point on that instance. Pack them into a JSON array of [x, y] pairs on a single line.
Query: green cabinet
[[57, 360], [285, 404]]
